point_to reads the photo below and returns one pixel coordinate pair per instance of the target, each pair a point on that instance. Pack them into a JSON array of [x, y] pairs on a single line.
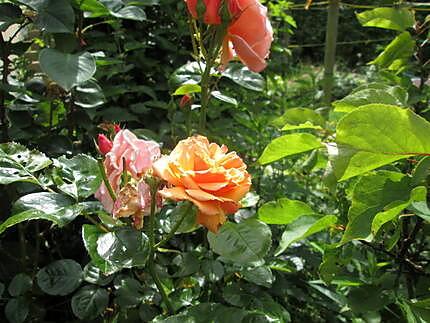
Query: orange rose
[[249, 35], [205, 174]]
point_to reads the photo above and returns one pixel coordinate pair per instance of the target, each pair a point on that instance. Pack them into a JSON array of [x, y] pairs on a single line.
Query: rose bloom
[[249, 35], [211, 16], [206, 174], [137, 156]]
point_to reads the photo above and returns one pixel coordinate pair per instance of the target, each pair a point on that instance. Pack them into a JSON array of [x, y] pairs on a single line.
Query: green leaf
[[68, 70], [17, 310], [260, 276], [18, 164], [89, 95], [53, 207], [128, 292], [60, 277], [1, 289], [396, 53], [20, 284], [93, 275], [204, 313], [90, 235], [242, 76], [213, 270], [129, 12], [78, 177], [187, 89], [169, 216], [246, 242], [367, 298], [376, 135], [398, 19], [299, 117], [306, 125], [372, 94], [288, 145], [377, 198], [54, 16], [283, 211], [302, 228], [9, 14], [189, 73], [123, 248], [224, 98], [89, 302]]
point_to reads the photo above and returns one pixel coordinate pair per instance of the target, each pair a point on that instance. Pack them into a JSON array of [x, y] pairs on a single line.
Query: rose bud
[[104, 144]]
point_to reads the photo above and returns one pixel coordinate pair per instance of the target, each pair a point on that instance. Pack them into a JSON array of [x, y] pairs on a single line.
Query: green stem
[[330, 50], [101, 226], [177, 225], [106, 180], [151, 258], [205, 96]]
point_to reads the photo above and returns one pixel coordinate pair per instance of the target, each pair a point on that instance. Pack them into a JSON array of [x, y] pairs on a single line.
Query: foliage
[[334, 229]]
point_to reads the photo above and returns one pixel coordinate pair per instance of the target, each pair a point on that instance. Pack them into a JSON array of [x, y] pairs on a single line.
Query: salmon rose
[[249, 35], [211, 15], [206, 174]]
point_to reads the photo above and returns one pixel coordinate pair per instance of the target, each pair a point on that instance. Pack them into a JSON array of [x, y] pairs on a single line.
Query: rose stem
[[151, 227]]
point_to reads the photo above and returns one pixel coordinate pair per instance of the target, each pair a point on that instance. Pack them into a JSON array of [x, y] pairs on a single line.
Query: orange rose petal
[[179, 194], [230, 207], [209, 177], [212, 222], [247, 55], [212, 186], [202, 195], [162, 169]]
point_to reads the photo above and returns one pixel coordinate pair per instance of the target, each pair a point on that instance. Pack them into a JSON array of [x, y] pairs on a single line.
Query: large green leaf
[[302, 228], [9, 14], [53, 207], [17, 309], [68, 70], [79, 176], [115, 8], [20, 284], [377, 199], [300, 118], [189, 73], [377, 135], [246, 242], [206, 312], [283, 211], [374, 93], [54, 16], [241, 75], [90, 235], [89, 302], [60, 277], [129, 292], [397, 53], [123, 248], [18, 163], [398, 19], [88, 95], [288, 145]]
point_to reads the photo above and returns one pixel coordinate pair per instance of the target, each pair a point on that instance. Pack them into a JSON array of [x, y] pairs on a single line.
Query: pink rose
[[249, 35], [137, 156], [211, 15]]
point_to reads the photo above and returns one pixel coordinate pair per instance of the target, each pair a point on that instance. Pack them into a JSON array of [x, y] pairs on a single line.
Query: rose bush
[[206, 174]]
